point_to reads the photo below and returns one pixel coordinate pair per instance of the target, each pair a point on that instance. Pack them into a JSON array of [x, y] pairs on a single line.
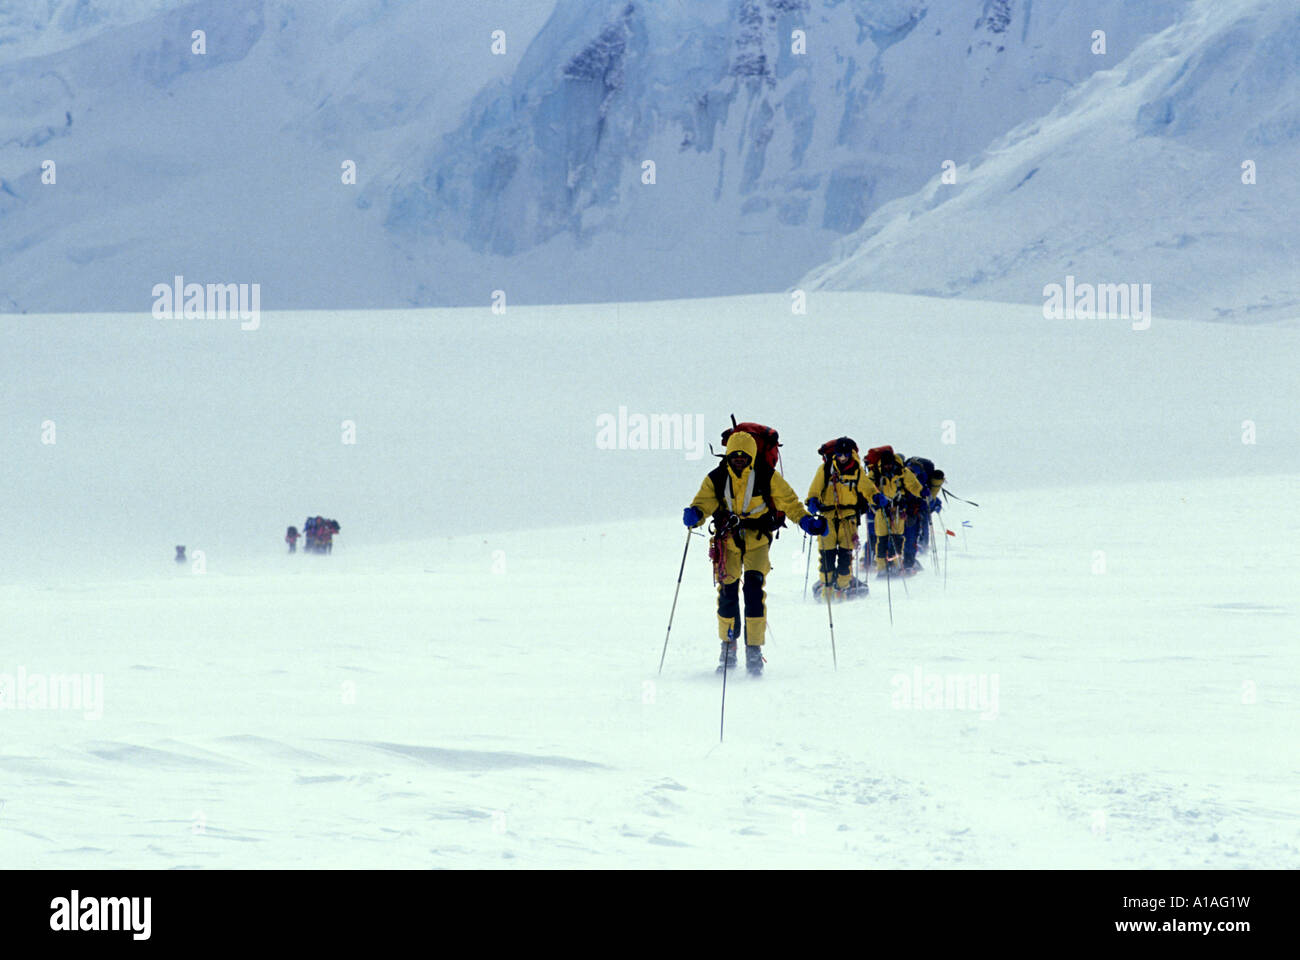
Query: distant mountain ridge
[[781, 151], [1177, 168], [776, 129]]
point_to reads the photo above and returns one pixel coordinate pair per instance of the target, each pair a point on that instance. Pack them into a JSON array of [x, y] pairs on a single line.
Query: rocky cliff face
[[767, 118]]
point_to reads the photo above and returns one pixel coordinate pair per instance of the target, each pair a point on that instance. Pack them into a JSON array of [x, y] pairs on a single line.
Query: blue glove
[[692, 516], [936, 505], [814, 505], [814, 526], [881, 501]]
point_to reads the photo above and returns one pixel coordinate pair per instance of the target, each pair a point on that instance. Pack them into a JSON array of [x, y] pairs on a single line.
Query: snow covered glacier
[[775, 128], [1176, 169]]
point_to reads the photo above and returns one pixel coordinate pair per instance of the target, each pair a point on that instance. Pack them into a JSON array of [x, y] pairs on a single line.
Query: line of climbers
[[318, 532], [894, 495], [748, 501]]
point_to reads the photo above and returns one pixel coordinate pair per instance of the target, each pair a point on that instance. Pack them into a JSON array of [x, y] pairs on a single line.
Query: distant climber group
[[748, 500], [317, 533]]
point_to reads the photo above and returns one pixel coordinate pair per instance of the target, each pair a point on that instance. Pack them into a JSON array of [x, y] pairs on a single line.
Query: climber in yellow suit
[[841, 492], [893, 479], [741, 496]]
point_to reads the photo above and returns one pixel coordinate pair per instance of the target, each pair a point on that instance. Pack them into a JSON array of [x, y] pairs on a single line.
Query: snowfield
[[408, 706], [481, 689]]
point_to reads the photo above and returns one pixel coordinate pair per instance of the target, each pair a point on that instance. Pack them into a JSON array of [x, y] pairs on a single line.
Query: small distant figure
[[291, 538], [331, 527], [180, 554], [319, 532]]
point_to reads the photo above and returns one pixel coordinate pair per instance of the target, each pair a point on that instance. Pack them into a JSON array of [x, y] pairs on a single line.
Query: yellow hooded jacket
[[743, 494], [845, 495], [893, 484]]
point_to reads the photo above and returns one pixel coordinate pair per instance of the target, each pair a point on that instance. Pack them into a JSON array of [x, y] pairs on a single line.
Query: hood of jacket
[[743, 443]]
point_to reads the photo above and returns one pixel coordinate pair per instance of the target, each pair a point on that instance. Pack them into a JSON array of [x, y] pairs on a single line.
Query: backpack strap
[[761, 474], [719, 477], [775, 517]]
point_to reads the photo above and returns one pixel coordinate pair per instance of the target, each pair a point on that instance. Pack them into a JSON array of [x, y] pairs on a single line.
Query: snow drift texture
[[524, 172]]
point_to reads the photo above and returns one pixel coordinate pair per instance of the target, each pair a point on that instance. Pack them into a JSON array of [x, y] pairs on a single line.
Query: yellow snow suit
[[892, 481], [746, 546], [843, 497]]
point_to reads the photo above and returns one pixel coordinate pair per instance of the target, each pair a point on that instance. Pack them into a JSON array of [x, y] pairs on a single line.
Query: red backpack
[[827, 451], [769, 451], [767, 439], [828, 448], [876, 454]]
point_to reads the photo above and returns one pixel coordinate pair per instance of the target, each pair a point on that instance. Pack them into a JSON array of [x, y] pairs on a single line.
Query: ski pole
[[944, 526], [807, 565], [831, 572], [673, 612], [853, 555], [934, 546], [946, 495], [889, 593], [830, 619], [906, 591], [722, 721]]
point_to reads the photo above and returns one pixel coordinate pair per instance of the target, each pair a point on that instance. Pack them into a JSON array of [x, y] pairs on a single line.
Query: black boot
[[754, 661], [727, 656]]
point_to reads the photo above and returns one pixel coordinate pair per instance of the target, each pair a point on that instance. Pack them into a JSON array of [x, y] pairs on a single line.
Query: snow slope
[[226, 166], [197, 432], [437, 704], [40, 29], [1136, 175], [470, 679], [765, 151]]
